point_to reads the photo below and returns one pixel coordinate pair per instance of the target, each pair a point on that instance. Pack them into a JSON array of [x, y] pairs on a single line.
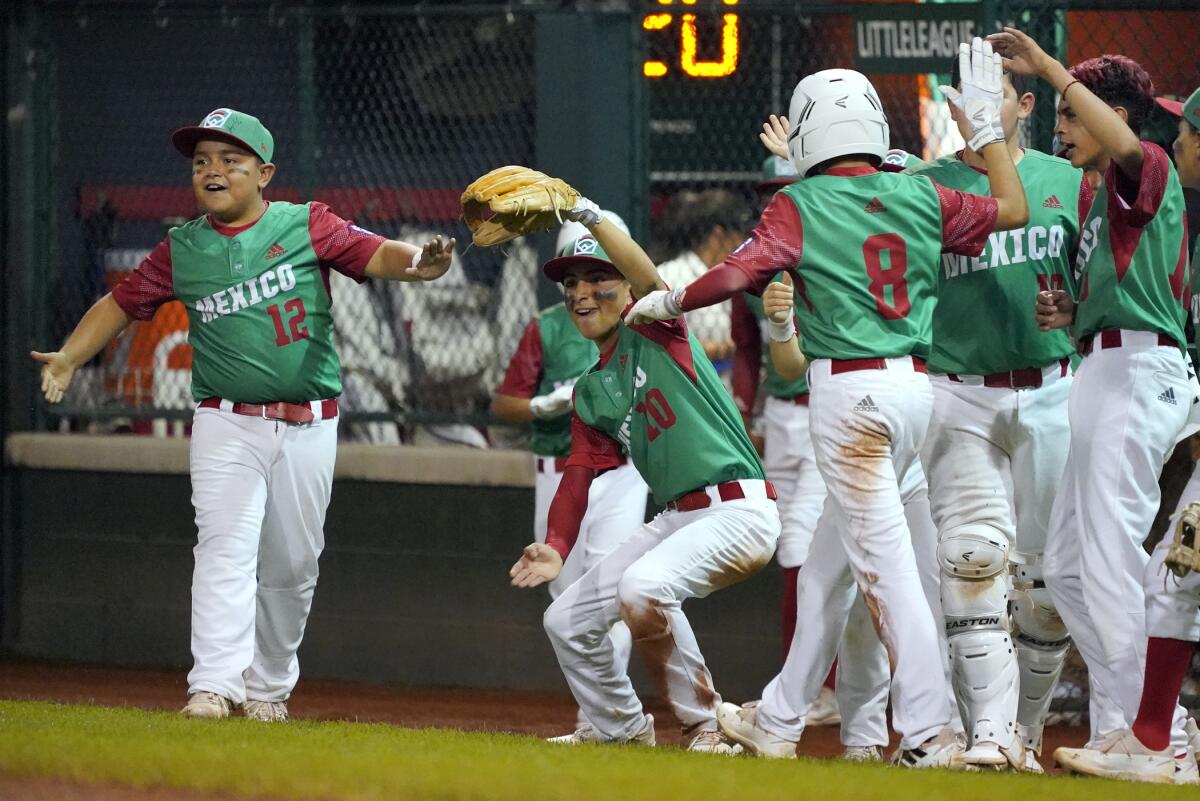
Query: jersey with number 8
[[866, 280]]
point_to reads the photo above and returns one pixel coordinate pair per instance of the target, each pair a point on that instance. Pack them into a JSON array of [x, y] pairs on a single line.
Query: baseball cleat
[[587, 734], [204, 704], [266, 711], [1120, 755], [943, 750], [825, 710], [987, 755], [738, 723], [862, 753], [712, 741], [1031, 762], [1193, 735], [1186, 770]]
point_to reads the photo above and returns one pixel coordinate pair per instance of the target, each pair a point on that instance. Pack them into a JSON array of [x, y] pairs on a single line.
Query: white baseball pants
[[792, 468], [1173, 604], [829, 607], [644, 581], [994, 457], [616, 509], [1127, 407], [867, 426], [260, 489]]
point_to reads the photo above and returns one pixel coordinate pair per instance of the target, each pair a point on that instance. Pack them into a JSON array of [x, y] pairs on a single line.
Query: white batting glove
[[552, 404], [586, 212], [980, 70], [781, 332], [662, 304]]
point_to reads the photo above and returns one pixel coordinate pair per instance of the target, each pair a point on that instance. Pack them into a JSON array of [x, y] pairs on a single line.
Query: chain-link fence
[[386, 112]]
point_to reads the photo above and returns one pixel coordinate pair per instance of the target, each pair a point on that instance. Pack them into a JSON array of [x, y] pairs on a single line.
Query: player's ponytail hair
[[1118, 81]]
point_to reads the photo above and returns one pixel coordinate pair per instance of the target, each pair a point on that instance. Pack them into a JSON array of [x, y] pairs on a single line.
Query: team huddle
[[976, 369]]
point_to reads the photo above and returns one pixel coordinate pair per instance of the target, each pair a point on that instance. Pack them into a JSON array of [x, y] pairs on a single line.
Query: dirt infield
[[537, 714]]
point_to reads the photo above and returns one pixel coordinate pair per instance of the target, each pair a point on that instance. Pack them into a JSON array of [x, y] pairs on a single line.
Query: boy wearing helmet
[[862, 247]]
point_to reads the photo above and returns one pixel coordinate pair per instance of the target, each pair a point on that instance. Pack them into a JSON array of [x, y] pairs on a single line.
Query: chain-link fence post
[[306, 102], [590, 115]]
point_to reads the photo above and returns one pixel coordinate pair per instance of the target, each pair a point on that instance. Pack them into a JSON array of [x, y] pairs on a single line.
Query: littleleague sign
[[911, 38]]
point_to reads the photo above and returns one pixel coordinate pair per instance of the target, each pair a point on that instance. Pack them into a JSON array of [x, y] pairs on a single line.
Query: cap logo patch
[[585, 246], [216, 119]]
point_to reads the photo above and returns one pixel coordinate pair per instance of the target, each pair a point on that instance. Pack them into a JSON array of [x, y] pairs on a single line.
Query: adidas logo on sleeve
[[1052, 202], [1168, 396], [875, 206]]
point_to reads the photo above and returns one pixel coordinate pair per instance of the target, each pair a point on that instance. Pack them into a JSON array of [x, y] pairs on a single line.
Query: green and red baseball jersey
[[863, 247], [1132, 266], [749, 327], [984, 321], [551, 353], [257, 299], [657, 395]]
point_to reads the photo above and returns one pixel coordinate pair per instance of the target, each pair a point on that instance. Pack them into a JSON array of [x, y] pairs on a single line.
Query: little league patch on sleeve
[[362, 231]]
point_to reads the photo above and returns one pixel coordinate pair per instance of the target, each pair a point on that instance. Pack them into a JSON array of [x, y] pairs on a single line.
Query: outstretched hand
[[436, 255], [775, 136], [539, 563], [57, 371], [1021, 54]]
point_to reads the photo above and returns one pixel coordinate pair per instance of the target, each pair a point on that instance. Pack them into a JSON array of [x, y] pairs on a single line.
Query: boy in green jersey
[[862, 248], [654, 394], [254, 278], [1000, 389], [1172, 603], [537, 390], [1131, 395]]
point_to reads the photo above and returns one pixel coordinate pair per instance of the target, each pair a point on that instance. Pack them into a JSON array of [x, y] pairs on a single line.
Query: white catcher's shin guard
[[1042, 645], [983, 665]]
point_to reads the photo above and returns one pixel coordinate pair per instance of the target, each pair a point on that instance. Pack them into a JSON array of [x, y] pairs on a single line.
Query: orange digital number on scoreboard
[[689, 47]]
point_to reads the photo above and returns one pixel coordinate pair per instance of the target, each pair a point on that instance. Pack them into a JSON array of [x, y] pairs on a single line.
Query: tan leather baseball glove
[[511, 202], [1182, 556], [514, 201]]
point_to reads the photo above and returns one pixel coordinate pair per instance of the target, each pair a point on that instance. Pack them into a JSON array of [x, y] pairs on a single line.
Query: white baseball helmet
[[835, 113], [571, 231]]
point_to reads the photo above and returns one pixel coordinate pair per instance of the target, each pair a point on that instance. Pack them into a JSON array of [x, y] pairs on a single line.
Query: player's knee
[[639, 589], [557, 621], [974, 565], [1035, 620]]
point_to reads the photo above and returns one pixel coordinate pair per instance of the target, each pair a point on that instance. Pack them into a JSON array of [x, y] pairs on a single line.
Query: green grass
[[370, 761]]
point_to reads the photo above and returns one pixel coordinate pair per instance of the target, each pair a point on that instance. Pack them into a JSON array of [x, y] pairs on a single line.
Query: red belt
[[1111, 338], [560, 463], [799, 400], [279, 410], [699, 499], [1021, 378], [850, 365]]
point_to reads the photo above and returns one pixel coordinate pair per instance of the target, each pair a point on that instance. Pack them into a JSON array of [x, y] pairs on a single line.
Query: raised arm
[[627, 256], [979, 101], [1023, 56]]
